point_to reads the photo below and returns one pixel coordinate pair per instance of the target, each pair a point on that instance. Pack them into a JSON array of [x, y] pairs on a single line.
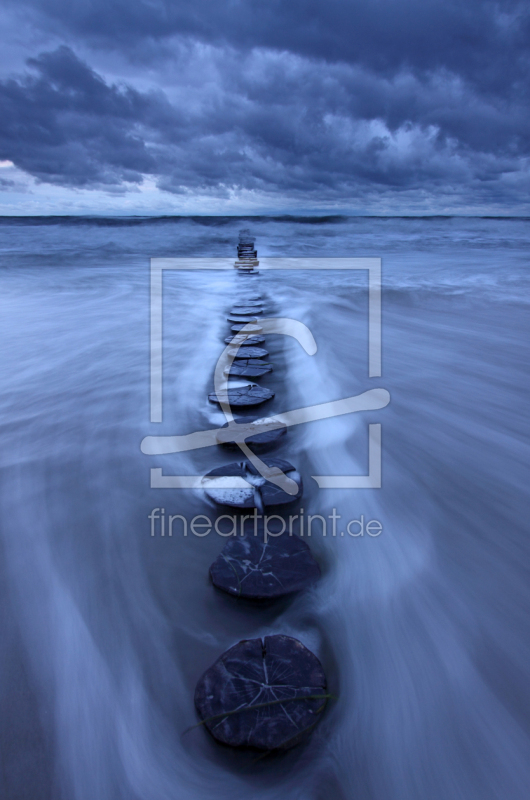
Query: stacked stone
[[247, 257], [266, 694]]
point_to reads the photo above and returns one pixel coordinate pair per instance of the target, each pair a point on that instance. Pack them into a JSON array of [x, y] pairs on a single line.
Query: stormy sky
[[203, 106]]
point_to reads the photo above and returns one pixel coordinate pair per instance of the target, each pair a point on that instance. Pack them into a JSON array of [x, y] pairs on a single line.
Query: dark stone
[[245, 432], [251, 341], [245, 320], [250, 395], [248, 352], [245, 303], [248, 368], [251, 328], [250, 298], [237, 697], [255, 491], [259, 566], [246, 311]]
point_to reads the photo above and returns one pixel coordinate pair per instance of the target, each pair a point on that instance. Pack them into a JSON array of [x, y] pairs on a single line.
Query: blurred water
[[423, 631]]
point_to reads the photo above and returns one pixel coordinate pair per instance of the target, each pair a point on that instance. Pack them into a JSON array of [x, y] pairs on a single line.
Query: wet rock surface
[[248, 368], [243, 341], [246, 431], [250, 395], [241, 486], [246, 320], [249, 328], [248, 352], [260, 566], [243, 311], [267, 694]]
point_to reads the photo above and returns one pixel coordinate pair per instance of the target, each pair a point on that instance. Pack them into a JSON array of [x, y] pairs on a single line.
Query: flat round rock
[[267, 694], [236, 318], [238, 371], [264, 565], [250, 395], [248, 368], [250, 298], [241, 486], [248, 352], [258, 433], [244, 311], [241, 302], [251, 328], [242, 341]]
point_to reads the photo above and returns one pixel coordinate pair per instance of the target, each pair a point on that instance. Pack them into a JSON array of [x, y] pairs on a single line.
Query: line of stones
[[267, 694]]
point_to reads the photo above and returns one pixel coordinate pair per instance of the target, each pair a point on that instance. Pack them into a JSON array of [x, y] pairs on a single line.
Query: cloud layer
[[303, 102]]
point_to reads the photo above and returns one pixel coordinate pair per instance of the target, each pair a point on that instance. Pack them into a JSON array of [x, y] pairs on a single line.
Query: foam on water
[[422, 630]]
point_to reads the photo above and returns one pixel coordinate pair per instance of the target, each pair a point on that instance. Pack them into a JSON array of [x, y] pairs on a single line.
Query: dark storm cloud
[[488, 40], [298, 98], [64, 124]]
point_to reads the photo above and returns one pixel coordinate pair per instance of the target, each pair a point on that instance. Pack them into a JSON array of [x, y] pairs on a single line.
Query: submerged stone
[[267, 694], [242, 341], [241, 486], [248, 368], [251, 395], [264, 565], [259, 433]]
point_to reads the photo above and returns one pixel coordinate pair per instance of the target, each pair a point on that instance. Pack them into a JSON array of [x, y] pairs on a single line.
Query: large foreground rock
[[264, 566], [266, 694], [241, 486]]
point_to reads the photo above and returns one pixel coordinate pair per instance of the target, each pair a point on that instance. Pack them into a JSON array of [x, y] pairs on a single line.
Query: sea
[[423, 629]]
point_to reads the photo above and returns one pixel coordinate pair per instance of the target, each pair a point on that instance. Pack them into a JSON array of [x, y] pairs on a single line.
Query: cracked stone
[[240, 485], [251, 395], [259, 567], [267, 694]]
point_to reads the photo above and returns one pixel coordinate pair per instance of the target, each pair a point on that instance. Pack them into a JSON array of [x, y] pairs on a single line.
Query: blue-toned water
[[423, 630]]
